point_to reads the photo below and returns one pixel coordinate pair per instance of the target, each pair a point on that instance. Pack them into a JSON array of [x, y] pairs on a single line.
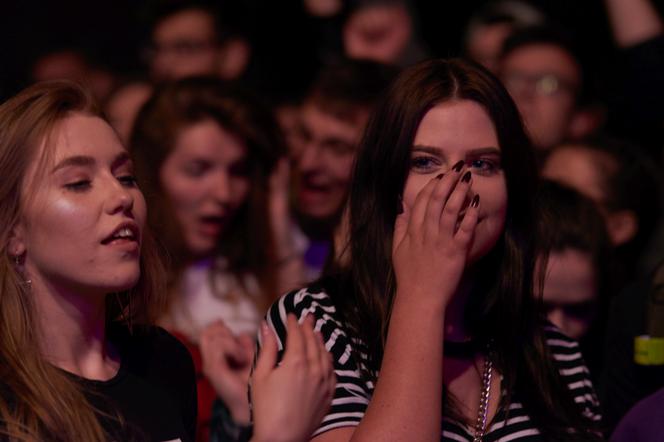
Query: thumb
[[267, 357]]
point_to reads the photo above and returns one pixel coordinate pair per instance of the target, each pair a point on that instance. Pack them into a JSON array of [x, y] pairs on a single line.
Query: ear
[[621, 226], [233, 58], [585, 121], [17, 245]]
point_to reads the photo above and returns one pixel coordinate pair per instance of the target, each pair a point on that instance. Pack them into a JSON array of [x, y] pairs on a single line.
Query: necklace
[[483, 412]]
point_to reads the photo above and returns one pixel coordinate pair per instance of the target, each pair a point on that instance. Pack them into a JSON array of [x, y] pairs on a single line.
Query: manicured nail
[[466, 177], [475, 202], [458, 166], [439, 176]]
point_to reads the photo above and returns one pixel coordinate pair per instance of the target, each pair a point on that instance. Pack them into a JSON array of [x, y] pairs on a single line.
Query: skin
[[324, 163], [124, 105], [205, 179], [72, 205], [432, 250], [193, 28], [486, 43], [547, 117], [378, 32], [570, 291]]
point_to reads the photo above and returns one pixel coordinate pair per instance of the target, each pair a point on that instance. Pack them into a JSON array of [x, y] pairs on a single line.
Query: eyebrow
[[473, 152], [87, 161]]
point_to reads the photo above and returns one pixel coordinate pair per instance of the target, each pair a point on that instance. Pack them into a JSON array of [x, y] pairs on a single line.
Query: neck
[[73, 330]]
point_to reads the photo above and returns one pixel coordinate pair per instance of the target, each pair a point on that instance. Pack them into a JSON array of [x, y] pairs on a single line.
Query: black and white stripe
[[353, 393]]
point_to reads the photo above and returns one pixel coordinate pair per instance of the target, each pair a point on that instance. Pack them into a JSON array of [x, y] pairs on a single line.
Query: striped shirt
[[353, 392]]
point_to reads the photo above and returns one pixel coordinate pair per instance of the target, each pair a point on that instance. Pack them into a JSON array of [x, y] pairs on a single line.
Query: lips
[[211, 225], [126, 232]]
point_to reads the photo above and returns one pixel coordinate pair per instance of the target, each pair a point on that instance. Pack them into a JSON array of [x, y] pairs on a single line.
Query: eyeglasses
[[540, 84]]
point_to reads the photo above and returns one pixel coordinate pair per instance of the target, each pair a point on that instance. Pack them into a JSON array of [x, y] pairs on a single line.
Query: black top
[[152, 398], [154, 391]]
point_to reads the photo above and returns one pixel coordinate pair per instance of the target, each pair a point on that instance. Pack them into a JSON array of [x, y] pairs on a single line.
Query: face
[[570, 291], [83, 218], [580, 169], [543, 80], [184, 45], [455, 131], [124, 105], [379, 33], [324, 162], [486, 43], [205, 179]]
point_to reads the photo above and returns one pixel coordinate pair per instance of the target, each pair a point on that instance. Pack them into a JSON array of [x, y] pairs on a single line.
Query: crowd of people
[[401, 247]]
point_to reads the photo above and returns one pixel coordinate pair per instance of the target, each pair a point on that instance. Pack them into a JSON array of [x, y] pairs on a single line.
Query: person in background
[[489, 27], [207, 158], [331, 121], [123, 105], [540, 68], [578, 269], [193, 38]]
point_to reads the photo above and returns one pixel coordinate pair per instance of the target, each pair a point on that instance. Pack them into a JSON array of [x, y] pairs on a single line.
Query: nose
[[310, 158], [220, 187], [121, 200], [557, 317]]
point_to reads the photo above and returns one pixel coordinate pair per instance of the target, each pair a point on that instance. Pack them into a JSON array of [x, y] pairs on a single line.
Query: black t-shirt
[[152, 398]]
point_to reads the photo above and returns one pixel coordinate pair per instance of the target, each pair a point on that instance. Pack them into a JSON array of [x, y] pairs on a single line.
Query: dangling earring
[[17, 263]]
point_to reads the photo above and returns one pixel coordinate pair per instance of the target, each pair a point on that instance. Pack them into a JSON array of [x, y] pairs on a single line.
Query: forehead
[[456, 126], [208, 139], [189, 23], [82, 135], [580, 168], [325, 124], [570, 277], [542, 58]]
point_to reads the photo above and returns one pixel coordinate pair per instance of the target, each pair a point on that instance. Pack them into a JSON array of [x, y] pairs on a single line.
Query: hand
[[227, 363], [290, 400], [431, 243]]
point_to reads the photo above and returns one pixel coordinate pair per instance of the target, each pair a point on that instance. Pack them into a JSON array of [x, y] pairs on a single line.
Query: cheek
[[414, 184], [239, 189], [182, 191], [342, 168]]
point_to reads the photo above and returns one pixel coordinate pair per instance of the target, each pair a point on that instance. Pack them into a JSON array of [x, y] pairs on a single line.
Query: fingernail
[[466, 177], [475, 202], [439, 176], [458, 166]]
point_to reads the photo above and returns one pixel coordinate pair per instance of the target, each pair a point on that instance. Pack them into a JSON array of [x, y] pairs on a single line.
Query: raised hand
[[432, 238], [290, 400], [227, 363]]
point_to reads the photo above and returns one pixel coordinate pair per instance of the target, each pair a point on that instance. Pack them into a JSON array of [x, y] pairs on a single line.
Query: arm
[[429, 259], [633, 21]]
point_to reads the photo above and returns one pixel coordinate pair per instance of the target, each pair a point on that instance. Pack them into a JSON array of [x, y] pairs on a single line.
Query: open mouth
[[125, 233]]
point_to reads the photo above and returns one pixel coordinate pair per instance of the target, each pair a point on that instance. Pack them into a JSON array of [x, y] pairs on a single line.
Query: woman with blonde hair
[[79, 287]]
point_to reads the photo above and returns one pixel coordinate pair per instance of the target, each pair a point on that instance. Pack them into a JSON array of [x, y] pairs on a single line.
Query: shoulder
[[569, 362]]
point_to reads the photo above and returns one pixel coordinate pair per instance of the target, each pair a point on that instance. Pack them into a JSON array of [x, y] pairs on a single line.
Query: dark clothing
[[152, 398], [644, 422]]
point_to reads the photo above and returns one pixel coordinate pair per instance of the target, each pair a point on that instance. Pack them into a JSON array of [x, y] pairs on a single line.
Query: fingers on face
[[467, 225], [449, 217], [444, 192]]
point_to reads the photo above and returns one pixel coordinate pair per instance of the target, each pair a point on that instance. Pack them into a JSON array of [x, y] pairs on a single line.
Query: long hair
[[247, 243], [502, 307], [37, 400]]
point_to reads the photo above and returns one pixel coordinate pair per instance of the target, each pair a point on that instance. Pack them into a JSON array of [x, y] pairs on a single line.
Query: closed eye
[[79, 185], [127, 180]]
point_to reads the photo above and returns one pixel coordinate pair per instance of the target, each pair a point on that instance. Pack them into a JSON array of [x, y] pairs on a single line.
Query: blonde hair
[[37, 400]]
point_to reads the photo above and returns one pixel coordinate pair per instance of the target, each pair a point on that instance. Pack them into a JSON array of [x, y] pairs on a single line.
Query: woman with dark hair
[[207, 157], [80, 288], [432, 322]]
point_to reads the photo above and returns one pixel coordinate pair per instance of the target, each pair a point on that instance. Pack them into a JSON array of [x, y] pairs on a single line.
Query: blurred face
[[205, 179], [378, 32], [124, 105], [579, 168], [324, 162], [83, 218], [570, 291], [486, 43], [455, 131], [543, 80], [184, 45]]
